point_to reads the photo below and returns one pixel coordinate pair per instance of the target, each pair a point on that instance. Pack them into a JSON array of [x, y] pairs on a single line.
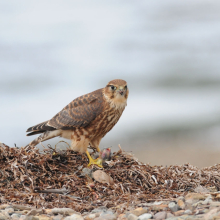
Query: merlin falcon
[[86, 120]]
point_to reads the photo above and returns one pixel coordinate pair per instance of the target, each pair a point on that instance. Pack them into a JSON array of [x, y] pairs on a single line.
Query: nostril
[[121, 92]]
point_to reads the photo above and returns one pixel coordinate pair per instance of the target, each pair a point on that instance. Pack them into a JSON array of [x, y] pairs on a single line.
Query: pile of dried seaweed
[[54, 179]]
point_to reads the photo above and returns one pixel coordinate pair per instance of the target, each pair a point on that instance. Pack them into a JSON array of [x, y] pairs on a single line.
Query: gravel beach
[[59, 185]]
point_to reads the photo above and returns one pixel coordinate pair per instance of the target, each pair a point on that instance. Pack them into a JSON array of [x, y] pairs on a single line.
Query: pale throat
[[119, 102]]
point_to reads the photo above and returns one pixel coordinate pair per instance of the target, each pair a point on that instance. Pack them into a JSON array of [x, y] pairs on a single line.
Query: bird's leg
[[97, 161]]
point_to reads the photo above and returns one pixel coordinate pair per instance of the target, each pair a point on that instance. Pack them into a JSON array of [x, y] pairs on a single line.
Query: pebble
[[160, 215], [188, 212], [106, 217], [3, 217], [109, 212], [139, 211], [159, 208], [145, 216], [15, 216], [100, 209], [173, 206], [74, 217], [35, 212], [178, 213], [122, 217], [191, 207], [181, 204], [170, 215], [62, 211], [9, 210], [132, 217], [57, 217], [91, 216], [194, 197]]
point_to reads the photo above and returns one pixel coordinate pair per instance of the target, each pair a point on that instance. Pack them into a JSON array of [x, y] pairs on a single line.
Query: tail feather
[[43, 137], [39, 128], [35, 132]]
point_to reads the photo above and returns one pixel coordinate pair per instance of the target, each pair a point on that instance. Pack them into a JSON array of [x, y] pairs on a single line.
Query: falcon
[[86, 120]]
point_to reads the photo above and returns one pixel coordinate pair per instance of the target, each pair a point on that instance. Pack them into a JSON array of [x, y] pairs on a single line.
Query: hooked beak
[[121, 91]]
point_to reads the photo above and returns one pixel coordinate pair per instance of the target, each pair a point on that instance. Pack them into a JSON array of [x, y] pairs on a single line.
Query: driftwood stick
[[59, 191]]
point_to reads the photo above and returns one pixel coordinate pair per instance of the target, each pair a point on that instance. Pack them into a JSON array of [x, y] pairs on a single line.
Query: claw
[[97, 161]]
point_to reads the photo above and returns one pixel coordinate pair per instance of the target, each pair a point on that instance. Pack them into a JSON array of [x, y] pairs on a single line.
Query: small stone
[[57, 217], [139, 211], [157, 203], [30, 218], [22, 217], [160, 215], [74, 217], [90, 216], [188, 212], [3, 217], [121, 217], [4, 212], [62, 211], [194, 197], [4, 206], [214, 204], [181, 204], [48, 211], [173, 206], [159, 208], [175, 218], [132, 217], [169, 215], [102, 177], [9, 210], [145, 216], [100, 209], [178, 213], [15, 216], [40, 217], [210, 213], [180, 198], [35, 212], [106, 212], [106, 217]]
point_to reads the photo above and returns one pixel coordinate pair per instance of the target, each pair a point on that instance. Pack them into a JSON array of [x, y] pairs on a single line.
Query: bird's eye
[[113, 87], [126, 87]]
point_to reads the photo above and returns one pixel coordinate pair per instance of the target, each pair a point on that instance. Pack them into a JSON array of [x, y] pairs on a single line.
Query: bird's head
[[117, 91]]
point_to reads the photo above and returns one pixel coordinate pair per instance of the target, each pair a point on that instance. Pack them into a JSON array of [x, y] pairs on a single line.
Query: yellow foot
[[97, 161]]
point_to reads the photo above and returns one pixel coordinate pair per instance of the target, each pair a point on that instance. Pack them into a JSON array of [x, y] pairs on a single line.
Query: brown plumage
[[86, 119]]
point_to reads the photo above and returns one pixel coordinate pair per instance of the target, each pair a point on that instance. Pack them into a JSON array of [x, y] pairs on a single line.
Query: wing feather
[[80, 112]]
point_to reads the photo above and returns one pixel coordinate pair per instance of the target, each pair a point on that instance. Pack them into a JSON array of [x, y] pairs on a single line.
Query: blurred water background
[[168, 51]]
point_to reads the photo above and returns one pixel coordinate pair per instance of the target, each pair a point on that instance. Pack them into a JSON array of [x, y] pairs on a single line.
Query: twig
[[64, 142], [120, 150], [59, 191]]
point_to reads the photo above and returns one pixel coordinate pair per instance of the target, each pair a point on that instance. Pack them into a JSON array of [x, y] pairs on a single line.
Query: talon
[[97, 161]]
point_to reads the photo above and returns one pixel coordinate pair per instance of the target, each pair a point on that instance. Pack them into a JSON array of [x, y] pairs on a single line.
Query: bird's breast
[[106, 121]]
